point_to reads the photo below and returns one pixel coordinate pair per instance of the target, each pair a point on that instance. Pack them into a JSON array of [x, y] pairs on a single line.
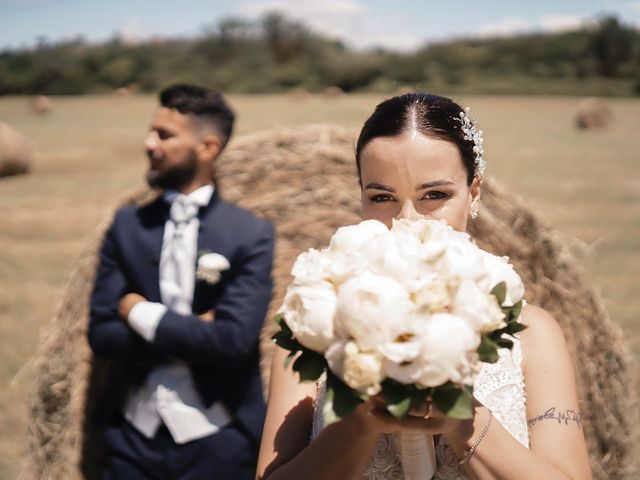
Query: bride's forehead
[[416, 154]]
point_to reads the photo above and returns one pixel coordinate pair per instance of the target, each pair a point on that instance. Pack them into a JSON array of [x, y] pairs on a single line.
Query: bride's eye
[[435, 195], [380, 198]]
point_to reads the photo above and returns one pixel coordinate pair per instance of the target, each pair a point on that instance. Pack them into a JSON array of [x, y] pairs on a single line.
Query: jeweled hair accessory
[[473, 134]]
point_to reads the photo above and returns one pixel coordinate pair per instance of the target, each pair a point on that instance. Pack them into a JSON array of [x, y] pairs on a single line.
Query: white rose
[[349, 239], [370, 309], [448, 353], [500, 270], [480, 309], [362, 371], [335, 357], [309, 311]]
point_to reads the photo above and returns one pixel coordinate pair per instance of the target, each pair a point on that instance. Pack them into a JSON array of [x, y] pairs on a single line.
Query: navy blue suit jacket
[[223, 355]]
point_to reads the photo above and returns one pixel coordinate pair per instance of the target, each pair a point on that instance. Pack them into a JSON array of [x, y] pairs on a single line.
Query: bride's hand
[[430, 420]]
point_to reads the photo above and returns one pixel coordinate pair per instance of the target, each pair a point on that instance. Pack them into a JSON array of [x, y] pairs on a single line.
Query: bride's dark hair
[[431, 115]]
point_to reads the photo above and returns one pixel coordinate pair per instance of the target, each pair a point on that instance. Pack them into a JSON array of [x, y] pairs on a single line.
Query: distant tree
[[612, 45], [286, 38]]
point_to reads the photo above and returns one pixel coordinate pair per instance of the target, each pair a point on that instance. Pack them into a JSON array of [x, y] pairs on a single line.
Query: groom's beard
[[173, 178]]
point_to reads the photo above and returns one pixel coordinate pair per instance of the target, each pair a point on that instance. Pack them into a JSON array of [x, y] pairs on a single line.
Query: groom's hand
[[127, 303]]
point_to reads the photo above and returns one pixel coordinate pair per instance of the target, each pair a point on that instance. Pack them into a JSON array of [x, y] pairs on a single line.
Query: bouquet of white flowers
[[409, 312]]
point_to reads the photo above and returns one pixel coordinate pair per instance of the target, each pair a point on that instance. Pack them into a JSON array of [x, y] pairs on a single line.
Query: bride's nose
[[408, 212]]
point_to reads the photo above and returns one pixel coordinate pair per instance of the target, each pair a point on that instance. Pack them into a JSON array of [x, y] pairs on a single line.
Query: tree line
[[276, 54]]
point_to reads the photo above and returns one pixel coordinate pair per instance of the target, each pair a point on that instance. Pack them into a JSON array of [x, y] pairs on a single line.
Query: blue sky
[[398, 24]]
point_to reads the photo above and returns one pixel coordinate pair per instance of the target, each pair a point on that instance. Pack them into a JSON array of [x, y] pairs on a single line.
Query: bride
[[420, 155]]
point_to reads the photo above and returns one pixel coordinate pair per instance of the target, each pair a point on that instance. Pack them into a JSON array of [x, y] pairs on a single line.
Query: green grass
[[89, 153]]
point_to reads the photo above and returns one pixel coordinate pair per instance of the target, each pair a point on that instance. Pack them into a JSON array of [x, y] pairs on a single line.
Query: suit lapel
[[153, 218], [207, 241]]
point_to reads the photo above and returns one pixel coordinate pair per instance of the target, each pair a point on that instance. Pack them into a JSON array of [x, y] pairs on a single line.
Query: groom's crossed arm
[[239, 312], [108, 334]]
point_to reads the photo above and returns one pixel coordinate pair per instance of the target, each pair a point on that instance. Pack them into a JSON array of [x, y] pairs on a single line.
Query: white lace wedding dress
[[499, 386]]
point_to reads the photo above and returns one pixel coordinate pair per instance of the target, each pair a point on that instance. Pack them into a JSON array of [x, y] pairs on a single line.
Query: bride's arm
[[557, 445], [341, 450]]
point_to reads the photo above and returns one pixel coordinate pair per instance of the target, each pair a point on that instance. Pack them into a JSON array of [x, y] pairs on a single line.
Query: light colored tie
[[178, 268], [183, 210]]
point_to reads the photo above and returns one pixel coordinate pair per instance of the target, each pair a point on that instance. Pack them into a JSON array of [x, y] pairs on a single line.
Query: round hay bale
[[41, 104], [333, 92], [304, 180], [298, 94], [15, 153], [405, 90], [122, 92], [593, 113]]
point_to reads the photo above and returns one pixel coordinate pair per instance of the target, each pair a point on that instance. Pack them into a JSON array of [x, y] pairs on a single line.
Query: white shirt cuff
[[144, 318]]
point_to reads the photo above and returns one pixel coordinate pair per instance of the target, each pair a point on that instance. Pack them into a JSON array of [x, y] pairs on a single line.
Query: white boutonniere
[[210, 267]]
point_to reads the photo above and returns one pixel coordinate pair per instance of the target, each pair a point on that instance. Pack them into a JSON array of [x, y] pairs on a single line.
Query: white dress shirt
[[169, 395]]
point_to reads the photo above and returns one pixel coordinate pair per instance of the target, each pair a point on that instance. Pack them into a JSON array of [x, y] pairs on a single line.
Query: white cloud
[[348, 20], [332, 17], [632, 6], [545, 23], [561, 23], [503, 28], [132, 31]]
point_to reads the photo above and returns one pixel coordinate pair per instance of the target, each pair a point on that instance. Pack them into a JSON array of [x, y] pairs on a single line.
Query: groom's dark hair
[[431, 115], [208, 106]]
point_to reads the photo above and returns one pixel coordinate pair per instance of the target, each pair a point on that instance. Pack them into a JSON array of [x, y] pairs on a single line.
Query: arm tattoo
[[565, 417]]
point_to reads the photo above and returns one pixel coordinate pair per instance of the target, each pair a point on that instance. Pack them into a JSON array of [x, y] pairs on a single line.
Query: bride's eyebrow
[[437, 183], [379, 186]]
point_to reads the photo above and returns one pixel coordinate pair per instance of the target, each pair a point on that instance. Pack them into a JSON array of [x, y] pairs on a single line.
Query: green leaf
[[285, 340], [516, 309], [309, 365], [328, 409], [400, 408], [515, 328], [488, 350], [284, 337], [340, 399], [419, 397], [398, 398], [500, 292], [454, 402], [504, 343]]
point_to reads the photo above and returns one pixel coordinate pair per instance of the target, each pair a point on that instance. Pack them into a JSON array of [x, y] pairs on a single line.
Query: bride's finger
[[425, 410], [391, 423]]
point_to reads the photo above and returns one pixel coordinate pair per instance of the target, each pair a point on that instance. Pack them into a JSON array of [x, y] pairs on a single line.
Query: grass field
[[88, 154]]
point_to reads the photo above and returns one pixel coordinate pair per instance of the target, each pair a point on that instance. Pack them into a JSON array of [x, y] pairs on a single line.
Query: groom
[[180, 295]]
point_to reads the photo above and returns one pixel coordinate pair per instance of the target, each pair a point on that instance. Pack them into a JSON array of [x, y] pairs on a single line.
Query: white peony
[[480, 309], [394, 256], [362, 371], [448, 353], [431, 295], [500, 270], [311, 266], [349, 239], [309, 311], [371, 309]]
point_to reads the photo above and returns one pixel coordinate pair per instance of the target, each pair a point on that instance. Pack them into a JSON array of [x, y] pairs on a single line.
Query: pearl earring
[[474, 211]]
